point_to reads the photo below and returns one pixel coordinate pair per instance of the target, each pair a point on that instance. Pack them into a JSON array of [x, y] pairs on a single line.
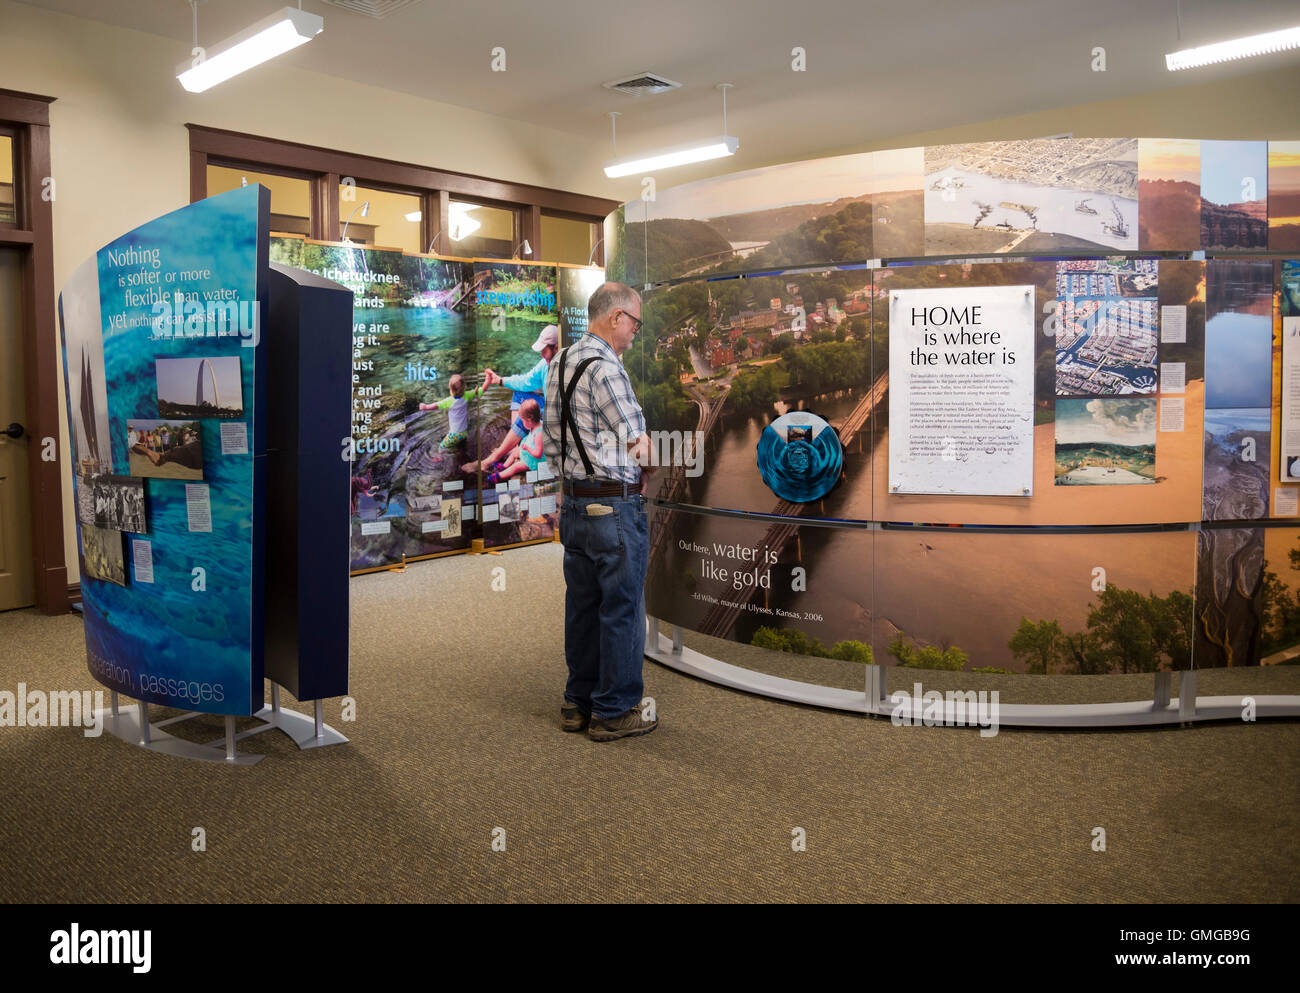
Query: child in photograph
[[529, 453], [457, 408]]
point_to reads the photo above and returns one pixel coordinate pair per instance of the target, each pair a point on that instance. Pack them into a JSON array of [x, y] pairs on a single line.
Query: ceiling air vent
[[642, 83], [378, 9]]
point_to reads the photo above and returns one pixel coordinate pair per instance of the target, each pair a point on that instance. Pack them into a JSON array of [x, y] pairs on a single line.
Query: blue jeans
[[605, 561]]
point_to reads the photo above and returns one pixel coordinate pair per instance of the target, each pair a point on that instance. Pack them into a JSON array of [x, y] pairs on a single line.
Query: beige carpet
[[457, 689]]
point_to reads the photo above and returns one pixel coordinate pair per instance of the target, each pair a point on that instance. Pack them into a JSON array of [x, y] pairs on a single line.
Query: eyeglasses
[[630, 317]]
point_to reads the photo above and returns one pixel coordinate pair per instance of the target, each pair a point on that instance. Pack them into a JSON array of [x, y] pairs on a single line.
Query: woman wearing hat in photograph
[[526, 385]]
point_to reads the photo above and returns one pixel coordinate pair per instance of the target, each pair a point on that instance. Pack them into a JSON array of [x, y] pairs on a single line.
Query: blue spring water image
[[800, 457]]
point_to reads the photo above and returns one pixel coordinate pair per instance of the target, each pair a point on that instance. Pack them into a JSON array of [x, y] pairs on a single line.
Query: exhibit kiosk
[[207, 391], [971, 415]]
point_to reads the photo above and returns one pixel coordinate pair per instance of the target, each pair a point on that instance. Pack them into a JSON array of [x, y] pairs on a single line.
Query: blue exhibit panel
[[185, 628]]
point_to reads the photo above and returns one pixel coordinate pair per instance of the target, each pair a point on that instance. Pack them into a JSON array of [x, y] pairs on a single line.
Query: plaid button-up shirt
[[607, 413]]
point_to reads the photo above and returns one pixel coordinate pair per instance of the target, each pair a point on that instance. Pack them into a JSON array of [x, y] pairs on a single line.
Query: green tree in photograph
[[1122, 624], [913, 656], [852, 651], [1038, 644], [788, 640]]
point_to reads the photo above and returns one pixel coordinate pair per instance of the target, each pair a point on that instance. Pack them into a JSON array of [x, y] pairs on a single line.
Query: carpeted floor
[[457, 691]]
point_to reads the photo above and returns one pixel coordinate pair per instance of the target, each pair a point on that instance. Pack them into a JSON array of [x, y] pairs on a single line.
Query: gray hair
[[610, 296]]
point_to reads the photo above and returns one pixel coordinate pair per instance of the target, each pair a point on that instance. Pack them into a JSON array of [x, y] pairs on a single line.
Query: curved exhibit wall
[[1041, 457]]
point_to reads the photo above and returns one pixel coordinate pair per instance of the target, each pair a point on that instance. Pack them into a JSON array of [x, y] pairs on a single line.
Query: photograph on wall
[[517, 335], [1239, 334], [796, 213], [1105, 442], [1284, 196], [1106, 344], [119, 503], [165, 449], [102, 555], [1096, 604], [1234, 194], [961, 397], [508, 507], [1041, 195], [1238, 389], [1232, 596], [1288, 372], [574, 288], [451, 516], [201, 386], [1169, 194], [717, 362], [83, 368], [1237, 443]]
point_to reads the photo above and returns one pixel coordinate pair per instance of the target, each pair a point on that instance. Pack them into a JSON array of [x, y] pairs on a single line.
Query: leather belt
[[606, 489]]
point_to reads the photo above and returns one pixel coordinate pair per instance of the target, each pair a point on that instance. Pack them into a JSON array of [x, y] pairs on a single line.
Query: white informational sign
[[961, 390], [376, 527], [234, 438], [1290, 467], [1173, 324], [198, 506], [142, 556], [1173, 413], [1286, 502], [1173, 377]]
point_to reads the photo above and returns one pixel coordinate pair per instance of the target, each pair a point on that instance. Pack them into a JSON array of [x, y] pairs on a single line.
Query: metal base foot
[[127, 725], [300, 727]]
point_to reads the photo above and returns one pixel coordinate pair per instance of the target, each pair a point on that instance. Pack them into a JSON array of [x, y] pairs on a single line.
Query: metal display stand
[[875, 700], [132, 724]]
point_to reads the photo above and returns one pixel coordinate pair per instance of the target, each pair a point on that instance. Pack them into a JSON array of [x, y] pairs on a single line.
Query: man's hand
[[490, 378]]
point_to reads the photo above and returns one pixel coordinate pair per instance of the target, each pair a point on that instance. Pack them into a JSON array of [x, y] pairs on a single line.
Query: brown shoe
[[628, 725], [573, 719]]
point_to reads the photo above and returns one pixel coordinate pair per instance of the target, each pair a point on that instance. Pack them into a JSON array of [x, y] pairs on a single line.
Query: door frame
[[27, 117]]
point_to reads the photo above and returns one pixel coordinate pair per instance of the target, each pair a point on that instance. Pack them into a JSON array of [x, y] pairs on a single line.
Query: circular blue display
[[800, 457]]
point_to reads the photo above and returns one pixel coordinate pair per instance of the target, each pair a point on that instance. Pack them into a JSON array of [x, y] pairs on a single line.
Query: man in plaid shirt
[[595, 432]]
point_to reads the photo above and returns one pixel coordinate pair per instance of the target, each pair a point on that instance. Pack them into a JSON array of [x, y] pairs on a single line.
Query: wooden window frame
[[26, 117], [435, 187]]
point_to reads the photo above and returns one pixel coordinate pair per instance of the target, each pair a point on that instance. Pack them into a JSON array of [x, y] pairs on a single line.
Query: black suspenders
[[566, 414]]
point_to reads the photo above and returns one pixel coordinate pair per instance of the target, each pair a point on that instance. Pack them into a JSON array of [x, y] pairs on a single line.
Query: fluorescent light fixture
[[413, 216], [1239, 48], [696, 151], [274, 35]]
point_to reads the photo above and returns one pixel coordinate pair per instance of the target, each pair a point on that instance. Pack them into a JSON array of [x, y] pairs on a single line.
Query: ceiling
[[874, 70]]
